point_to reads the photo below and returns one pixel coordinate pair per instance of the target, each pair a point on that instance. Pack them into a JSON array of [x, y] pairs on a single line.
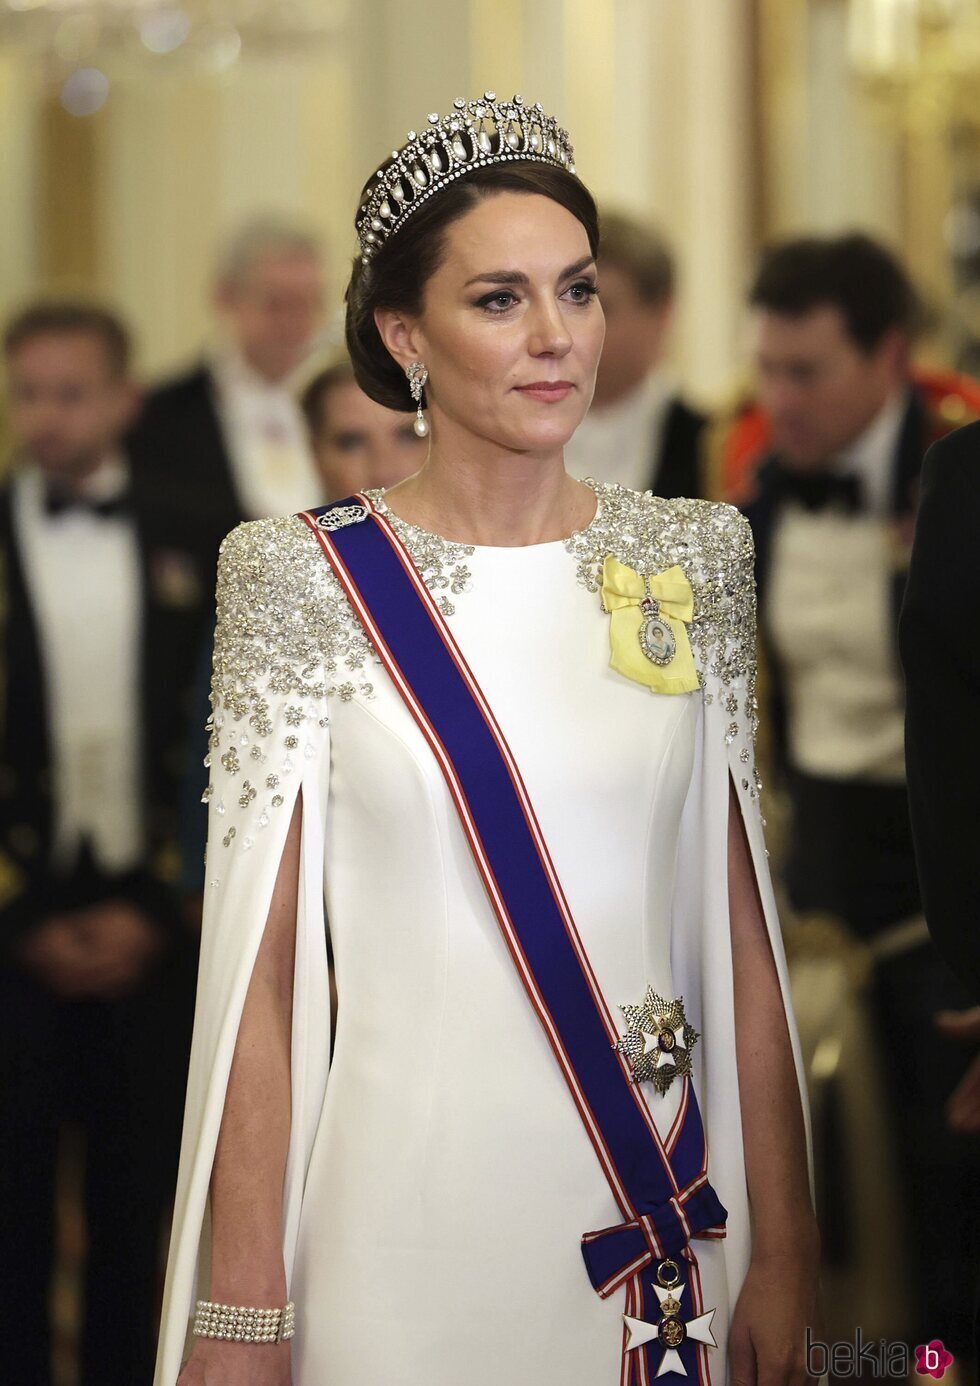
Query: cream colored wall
[[19, 165], [834, 159], [659, 96], [653, 90], [829, 163]]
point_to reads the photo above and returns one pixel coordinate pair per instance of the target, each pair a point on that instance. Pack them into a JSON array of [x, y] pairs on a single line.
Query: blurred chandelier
[[920, 58], [104, 36]]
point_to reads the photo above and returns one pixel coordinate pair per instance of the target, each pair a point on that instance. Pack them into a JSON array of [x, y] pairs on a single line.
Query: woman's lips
[[550, 391]]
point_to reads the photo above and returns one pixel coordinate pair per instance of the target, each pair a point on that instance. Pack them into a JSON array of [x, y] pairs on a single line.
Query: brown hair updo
[[399, 271]]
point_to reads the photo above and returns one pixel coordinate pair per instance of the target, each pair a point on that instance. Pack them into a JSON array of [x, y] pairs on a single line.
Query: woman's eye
[[584, 291], [497, 302]]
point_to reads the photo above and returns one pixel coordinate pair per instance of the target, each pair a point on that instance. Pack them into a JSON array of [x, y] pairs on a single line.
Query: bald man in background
[[226, 441]]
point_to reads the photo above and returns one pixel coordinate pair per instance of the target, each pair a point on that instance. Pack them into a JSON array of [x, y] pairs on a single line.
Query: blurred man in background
[[832, 510], [103, 613], [227, 440], [639, 431], [357, 444]]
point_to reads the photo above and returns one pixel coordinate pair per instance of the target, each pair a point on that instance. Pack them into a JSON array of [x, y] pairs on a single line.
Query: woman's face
[[359, 444], [510, 328]]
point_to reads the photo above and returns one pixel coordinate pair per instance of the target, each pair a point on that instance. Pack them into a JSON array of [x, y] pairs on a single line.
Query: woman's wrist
[[247, 1267], [791, 1234], [250, 1282], [253, 1292]]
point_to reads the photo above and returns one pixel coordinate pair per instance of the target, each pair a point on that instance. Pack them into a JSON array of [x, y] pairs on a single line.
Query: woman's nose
[[549, 334]]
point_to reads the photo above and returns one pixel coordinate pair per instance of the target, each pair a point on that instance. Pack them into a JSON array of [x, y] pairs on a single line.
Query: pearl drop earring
[[417, 376]]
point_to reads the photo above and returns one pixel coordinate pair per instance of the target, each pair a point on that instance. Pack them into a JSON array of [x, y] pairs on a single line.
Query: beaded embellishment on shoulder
[[285, 640], [282, 620], [712, 543]]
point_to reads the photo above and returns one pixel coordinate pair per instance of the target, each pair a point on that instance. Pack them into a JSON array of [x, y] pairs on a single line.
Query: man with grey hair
[[639, 431], [226, 441]]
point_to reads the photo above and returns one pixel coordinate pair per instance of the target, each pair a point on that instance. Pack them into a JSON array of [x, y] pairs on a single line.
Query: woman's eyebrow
[[519, 278]]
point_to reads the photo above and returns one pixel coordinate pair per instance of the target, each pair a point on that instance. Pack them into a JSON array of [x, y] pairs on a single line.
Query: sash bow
[[615, 1254]]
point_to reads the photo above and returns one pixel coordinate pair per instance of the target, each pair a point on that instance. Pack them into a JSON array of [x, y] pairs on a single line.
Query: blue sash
[[661, 1189]]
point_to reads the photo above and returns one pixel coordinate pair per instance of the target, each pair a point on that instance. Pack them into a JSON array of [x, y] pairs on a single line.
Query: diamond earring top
[[476, 134], [417, 376]]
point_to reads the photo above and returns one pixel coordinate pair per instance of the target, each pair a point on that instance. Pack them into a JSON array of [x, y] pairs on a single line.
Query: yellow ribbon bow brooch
[[647, 636]]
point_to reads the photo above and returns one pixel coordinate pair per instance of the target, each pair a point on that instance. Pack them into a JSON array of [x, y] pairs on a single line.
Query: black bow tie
[[821, 490], [67, 502]]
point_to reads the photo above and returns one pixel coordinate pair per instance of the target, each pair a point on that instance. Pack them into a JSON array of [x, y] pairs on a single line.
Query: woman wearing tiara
[[504, 721]]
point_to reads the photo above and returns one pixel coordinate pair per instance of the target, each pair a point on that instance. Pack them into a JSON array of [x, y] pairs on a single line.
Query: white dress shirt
[[872, 455], [265, 434], [831, 620], [622, 441], [84, 583]]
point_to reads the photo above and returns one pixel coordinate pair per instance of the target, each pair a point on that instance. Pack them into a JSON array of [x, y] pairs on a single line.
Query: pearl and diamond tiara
[[475, 135]]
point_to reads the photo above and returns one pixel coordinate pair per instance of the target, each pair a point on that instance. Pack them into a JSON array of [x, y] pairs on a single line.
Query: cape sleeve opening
[[744, 792], [775, 1138], [269, 748]]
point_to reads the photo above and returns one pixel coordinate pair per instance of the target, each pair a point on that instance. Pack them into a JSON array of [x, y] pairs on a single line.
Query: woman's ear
[[400, 334]]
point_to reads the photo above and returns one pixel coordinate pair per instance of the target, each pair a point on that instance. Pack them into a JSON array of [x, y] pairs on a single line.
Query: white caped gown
[[439, 1178]]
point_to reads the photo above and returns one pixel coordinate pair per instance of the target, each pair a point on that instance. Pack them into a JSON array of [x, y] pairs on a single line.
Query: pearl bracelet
[[240, 1324]]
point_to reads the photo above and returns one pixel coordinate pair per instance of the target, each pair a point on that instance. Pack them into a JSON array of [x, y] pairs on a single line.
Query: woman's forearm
[[773, 1131], [250, 1159]]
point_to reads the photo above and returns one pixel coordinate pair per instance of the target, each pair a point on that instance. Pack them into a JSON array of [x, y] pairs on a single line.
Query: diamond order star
[[670, 1331], [658, 1040]]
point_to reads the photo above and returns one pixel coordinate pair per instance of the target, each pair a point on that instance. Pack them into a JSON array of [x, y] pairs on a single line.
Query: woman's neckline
[[377, 498]]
